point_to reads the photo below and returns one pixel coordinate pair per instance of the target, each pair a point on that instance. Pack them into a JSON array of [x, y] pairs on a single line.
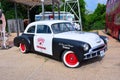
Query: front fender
[[61, 45], [104, 38]]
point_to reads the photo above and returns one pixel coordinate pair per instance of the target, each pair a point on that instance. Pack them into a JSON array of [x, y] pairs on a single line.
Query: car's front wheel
[[70, 59], [23, 48]]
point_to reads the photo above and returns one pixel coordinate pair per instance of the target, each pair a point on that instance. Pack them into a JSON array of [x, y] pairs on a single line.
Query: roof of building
[[34, 2]]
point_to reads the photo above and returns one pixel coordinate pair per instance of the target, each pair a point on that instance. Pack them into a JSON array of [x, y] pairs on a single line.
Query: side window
[[43, 29], [61, 27], [31, 29]]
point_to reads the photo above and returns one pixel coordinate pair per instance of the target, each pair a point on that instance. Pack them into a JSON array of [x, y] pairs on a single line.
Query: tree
[[22, 10], [83, 9], [96, 20], [9, 9]]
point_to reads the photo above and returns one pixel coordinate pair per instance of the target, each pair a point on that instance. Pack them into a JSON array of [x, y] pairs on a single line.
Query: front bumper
[[97, 51]]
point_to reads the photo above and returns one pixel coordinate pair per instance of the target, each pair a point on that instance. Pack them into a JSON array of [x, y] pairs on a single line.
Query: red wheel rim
[[71, 59], [22, 47]]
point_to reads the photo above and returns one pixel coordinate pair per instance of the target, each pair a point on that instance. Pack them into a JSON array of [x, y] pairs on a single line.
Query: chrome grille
[[99, 48], [94, 52]]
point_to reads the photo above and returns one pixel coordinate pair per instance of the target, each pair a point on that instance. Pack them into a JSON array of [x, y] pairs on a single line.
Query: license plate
[[102, 53]]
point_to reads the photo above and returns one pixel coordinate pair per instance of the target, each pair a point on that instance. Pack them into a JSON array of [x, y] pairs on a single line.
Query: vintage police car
[[59, 39]]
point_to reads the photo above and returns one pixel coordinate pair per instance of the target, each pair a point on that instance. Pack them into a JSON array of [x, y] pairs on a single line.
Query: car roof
[[48, 22], [45, 22]]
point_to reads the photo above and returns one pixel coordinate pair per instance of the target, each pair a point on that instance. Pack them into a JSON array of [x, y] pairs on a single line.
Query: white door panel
[[43, 43]]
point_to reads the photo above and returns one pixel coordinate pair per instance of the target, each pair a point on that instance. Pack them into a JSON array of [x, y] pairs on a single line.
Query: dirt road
[[17, 66]]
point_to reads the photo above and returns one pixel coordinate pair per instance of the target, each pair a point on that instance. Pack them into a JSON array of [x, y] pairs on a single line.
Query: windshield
[[62, 27]]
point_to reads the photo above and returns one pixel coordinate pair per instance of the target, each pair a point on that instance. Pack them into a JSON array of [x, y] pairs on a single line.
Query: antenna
[[73, 6]]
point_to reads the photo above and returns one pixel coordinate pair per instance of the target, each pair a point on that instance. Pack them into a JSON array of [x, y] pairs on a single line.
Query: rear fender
[[22, 39]]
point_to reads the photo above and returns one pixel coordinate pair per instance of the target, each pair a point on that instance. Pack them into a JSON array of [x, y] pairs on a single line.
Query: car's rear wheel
[[23, 48], [70, 59]]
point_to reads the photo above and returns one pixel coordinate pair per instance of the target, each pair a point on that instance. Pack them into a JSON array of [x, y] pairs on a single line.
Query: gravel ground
[[17, 66]]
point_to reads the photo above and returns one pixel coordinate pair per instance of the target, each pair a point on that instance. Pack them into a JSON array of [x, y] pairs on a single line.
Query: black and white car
[[59, 40]]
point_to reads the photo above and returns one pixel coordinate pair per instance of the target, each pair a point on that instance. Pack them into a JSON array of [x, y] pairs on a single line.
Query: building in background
[[113, 18]]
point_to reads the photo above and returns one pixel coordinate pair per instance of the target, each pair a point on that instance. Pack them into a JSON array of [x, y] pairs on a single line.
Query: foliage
[[83, 9], [5, 8], [96, 20], [9, 10]]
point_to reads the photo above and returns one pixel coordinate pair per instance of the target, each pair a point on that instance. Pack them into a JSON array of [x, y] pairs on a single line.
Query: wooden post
[[43, 10], [28, 14], [16, 17], [58, 10], [53, 5]]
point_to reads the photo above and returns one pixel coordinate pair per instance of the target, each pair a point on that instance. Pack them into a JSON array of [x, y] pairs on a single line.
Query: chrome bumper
[[94, 52]]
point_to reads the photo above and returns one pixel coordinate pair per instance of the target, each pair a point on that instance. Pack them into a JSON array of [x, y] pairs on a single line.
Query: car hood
[[90, 38]]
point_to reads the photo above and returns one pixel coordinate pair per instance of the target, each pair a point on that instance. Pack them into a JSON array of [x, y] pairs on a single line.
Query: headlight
[[86, 47]]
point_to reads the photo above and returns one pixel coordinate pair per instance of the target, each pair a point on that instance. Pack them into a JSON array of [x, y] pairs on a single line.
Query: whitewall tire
[[70, 60]]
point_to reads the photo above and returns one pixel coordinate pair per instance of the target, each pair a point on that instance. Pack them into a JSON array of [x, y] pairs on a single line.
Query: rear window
[[31, 29]]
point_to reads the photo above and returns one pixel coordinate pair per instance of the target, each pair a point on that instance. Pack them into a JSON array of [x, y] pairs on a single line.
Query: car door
[[43, 39]]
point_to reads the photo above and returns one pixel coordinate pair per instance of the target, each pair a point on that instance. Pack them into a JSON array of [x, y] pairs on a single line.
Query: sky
[[92, 4]]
